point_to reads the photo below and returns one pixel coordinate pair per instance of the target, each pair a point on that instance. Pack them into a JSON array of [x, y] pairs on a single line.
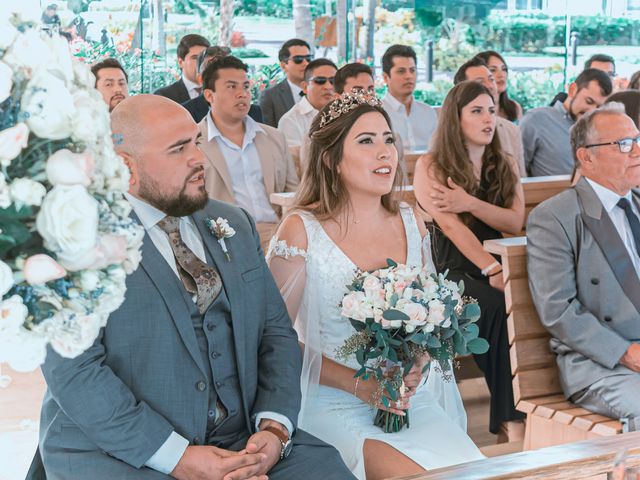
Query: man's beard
[[180, 205], [113, 104]]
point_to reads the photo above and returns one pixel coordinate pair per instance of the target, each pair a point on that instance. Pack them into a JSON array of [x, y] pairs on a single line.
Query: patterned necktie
[[198, 278], [634, 223], [198, 90]]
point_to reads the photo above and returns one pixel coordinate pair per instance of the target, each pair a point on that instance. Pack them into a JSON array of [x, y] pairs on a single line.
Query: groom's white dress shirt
[[168, 455]]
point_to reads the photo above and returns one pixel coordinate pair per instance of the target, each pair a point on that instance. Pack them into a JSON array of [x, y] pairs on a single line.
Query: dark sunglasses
[[298, 59], [322, 80], [625, 145]]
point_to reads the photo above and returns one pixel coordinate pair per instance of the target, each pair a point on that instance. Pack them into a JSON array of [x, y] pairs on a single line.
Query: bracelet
[[494, 273], [485, 271], [355, 391]]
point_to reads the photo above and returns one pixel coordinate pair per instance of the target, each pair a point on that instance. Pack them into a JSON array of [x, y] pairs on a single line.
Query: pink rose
[[67, 168], [39, 269], [110, 249], [352, 306]]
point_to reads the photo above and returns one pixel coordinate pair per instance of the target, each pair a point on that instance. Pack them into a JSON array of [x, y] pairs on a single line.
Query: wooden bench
[[586, 459], [285, 200], [538, 189], [551, 419]]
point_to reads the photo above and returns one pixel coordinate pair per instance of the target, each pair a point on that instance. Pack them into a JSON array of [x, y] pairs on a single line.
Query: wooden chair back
[[538, 189]]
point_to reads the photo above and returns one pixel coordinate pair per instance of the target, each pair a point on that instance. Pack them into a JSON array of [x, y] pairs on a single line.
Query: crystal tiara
[[347, 102]]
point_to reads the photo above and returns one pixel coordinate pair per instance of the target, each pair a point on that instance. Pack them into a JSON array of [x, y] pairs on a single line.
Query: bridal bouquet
[[401, 313], [66, 239]]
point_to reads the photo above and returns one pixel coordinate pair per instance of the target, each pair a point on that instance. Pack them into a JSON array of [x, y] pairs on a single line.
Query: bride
[[348, 218]]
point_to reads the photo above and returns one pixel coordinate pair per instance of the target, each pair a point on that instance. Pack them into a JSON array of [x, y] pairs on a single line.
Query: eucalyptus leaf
[[393, 314], [478, 346], [391, 263]]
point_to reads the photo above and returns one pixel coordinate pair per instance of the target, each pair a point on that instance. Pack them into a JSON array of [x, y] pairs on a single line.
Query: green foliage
[[275, 8], [248, 53], [534, 89]]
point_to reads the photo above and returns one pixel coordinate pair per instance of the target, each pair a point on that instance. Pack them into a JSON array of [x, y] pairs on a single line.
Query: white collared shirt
[[245, 170], [295, 91], [150, 216], [192, 88], [296, 122], [416, 128], [609, 200]]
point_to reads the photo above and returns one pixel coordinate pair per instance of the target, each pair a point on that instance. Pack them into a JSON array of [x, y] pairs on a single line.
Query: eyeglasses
[[322, 80], [298, 59], [625, 145]]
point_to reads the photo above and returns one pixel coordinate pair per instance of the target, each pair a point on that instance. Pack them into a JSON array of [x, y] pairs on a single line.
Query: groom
[[196, 375]]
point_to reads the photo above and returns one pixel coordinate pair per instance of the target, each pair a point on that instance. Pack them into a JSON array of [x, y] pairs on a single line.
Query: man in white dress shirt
[[318, 91], [413, 121], [584, 267], [247, 161]]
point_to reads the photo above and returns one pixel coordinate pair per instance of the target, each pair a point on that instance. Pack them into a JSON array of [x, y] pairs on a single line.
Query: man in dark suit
[[199, 107], [294, 56], [188, 87], [197, 374]]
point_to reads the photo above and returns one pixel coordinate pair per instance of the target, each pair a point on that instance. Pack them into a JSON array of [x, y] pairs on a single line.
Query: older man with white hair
[[584, 267]]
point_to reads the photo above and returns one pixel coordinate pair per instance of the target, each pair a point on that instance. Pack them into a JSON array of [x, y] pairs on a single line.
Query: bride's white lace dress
[[313, 283]]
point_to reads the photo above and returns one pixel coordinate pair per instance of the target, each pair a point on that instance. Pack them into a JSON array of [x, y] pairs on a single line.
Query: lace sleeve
[[288, 267]]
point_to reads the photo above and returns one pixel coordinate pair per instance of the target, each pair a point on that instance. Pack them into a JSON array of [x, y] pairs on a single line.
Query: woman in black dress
[[471, 190]]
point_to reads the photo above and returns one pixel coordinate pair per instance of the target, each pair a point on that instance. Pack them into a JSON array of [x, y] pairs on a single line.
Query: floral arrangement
[[66, 239], [400, 314]]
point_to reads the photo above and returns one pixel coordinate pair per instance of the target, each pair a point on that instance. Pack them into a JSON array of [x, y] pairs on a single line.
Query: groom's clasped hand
[[211, 463]]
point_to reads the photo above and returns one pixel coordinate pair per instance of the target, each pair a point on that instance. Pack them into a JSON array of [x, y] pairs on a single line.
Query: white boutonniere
[[221, 229]]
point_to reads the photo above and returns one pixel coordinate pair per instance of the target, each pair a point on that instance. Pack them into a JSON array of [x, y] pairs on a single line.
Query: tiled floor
[[20, 407]]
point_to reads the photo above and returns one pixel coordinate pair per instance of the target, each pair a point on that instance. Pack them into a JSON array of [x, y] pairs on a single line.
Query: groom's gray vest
[[215, 341]]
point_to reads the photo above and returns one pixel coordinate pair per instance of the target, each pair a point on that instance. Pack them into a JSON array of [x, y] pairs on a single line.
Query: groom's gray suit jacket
[[107, 411], [583, 284]]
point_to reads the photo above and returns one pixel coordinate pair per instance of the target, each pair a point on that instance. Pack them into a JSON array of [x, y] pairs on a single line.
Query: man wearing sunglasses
[[583, 248], [294, 56], [318, 90]]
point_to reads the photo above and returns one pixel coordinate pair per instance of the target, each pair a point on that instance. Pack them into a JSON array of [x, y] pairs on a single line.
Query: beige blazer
[[278, 170], [511, 141]]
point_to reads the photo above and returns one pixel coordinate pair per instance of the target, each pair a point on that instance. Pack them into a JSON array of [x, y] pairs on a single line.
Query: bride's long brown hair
[[322, 191], [451, 157]]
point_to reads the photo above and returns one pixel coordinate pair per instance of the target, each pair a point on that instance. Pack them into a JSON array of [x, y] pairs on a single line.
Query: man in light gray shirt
[[545, 130]]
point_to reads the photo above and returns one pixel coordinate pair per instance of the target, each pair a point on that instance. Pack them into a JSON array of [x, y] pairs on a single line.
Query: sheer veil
[[303, 296]]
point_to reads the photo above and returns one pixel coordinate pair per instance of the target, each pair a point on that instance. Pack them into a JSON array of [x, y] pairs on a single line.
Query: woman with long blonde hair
[[347, 218]]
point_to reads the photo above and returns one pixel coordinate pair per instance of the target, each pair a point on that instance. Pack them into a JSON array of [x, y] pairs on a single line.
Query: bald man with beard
[[196, 375]]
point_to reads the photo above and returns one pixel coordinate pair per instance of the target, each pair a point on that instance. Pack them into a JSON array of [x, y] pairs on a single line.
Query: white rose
[[83, 76], [61, 58], [371, 282], [91, 120], [67, 168], [27, 192], [108, 250], [72, 334], [5, 196], [121, 208], [24, 350], [40, 269], [28, 51], [131, 263], [351, 305], [68, 220], [89, 280], [436, 312], [49, 106], [8, 32], [6, 81], [417, 313], [13, 313], [12, 141], [6, 278]]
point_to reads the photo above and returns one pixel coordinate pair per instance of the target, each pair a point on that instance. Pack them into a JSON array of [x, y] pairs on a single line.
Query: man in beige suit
[[510, 137], [246, 161]]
